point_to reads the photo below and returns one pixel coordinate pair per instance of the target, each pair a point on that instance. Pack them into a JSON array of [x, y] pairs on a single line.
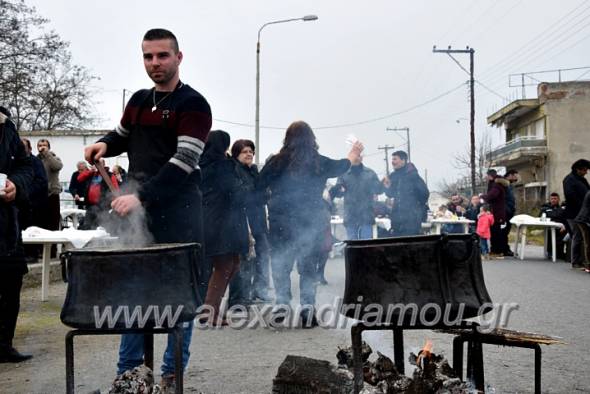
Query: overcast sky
[[358, 62]]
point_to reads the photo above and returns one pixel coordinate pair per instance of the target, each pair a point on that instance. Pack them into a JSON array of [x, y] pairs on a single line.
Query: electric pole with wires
[[407, 130], [470, 51], [386, 148]]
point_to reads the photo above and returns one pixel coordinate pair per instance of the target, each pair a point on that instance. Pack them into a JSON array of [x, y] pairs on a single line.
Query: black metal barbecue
[[430, 272], [159, 280]]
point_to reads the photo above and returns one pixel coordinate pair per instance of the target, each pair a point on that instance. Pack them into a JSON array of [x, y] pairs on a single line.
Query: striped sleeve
[[193, 127]]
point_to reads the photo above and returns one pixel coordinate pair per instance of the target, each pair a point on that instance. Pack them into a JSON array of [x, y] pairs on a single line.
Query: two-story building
[[544, 136]]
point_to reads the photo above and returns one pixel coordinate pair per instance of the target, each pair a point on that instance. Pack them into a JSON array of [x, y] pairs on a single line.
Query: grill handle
[[63, 258]]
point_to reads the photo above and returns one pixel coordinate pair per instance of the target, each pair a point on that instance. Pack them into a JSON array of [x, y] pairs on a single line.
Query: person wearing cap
[[17, 174], [575, 187]]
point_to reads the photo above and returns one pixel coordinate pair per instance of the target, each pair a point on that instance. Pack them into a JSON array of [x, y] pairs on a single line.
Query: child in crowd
[[485, 220], [443, 213]]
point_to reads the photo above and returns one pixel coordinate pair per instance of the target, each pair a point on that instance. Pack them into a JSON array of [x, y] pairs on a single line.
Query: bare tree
[[38, 83], [462, 162]]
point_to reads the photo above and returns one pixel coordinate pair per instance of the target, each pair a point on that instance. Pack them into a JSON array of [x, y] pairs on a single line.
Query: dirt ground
[[552, 300]]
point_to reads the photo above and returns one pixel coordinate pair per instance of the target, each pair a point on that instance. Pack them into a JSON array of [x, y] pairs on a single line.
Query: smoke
[[131, 230]]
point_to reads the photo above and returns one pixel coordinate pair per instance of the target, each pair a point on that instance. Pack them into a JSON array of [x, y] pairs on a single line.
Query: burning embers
[[432, 374]]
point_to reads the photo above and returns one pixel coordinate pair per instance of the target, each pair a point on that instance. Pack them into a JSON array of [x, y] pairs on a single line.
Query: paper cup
[[2, 183]]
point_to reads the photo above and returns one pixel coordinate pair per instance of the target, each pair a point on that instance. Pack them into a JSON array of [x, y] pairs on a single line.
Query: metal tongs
[[103, 173]]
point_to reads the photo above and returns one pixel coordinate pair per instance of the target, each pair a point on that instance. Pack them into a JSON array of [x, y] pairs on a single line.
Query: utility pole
[[407, 130], [386, 148], [471, 52]]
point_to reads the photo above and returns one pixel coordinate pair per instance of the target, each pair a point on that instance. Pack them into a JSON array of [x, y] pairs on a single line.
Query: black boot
[[8, 354]]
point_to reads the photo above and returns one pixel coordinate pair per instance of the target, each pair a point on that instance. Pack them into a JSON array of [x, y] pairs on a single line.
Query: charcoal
[[139, 380], [344, 355]]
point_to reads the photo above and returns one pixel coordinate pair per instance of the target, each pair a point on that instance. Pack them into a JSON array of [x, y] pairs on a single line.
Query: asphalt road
[[552, 299]]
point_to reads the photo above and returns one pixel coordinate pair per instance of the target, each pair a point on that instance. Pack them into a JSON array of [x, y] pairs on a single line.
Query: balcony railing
[[525, 143]]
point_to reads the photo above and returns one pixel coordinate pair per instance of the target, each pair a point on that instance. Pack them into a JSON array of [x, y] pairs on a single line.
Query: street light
[[306, 18]]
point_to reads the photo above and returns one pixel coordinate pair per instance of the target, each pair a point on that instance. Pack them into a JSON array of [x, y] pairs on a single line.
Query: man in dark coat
[[358, 186], [496, 198], [575, 187], [410, 195], [512, 177], [555, 211], [30, 210], [16, 165], [78, 189]]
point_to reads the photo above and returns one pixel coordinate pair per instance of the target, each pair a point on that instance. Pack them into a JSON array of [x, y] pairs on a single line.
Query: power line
[[409, 109], [519, 52]]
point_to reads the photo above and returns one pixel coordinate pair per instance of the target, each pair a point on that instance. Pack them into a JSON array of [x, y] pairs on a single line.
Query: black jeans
[[10, 286], [497, 239]]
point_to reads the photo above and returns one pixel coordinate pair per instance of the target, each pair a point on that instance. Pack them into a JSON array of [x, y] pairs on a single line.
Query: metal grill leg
[[537, 369], [178, 367], [148, 350], [70, 362], [357, 350], [458, 343], [475, 370], [398, 349]]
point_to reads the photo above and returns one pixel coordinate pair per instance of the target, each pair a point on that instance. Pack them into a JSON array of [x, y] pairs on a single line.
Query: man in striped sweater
[[163, 130]]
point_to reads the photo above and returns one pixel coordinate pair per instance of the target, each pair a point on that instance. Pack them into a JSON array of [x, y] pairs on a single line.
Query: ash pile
[[432, 374]]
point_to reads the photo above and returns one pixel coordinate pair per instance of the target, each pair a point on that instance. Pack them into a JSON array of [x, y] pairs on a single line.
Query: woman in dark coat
[[224, 215], [296, 178], [252, 281]]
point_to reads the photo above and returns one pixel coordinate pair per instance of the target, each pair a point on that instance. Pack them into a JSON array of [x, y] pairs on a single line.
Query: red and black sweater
[[164, 146]]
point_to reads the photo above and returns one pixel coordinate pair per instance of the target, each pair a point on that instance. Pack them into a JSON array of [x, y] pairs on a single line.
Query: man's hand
[[77, 197], [125, 204], [9, 192], [94, 152], [386, 182]]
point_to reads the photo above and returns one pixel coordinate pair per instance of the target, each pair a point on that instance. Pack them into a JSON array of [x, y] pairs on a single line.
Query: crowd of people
[[251, 224]]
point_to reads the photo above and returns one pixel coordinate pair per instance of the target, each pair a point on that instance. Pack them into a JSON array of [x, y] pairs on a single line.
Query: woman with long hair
[[296, 178], [224, 218]]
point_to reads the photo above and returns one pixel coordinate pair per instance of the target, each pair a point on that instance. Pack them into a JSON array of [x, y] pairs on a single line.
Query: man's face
[[512, 178], [27, 146], [581, 172], [397, 163], [456, 200], [474, 200], [554, 200], [81, 167], [42, 146], [160, 59]]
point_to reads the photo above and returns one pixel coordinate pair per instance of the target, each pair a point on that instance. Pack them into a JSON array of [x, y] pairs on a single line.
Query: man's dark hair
[[492, 172], [511, 172], [486, 207], [579, 164], [161, 34], [401, 154], [554, 195], [44, 140], [27, 144], [239, 146], [5, 111]]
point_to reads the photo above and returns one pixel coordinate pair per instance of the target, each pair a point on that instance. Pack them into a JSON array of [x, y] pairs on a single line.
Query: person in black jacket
[[575, 187], [358, 187], [224, 218], [17, 167], [555, 211], [252, 281], [472, 212], [78, 189], [30, 209], [296, 178], [410, 195]]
